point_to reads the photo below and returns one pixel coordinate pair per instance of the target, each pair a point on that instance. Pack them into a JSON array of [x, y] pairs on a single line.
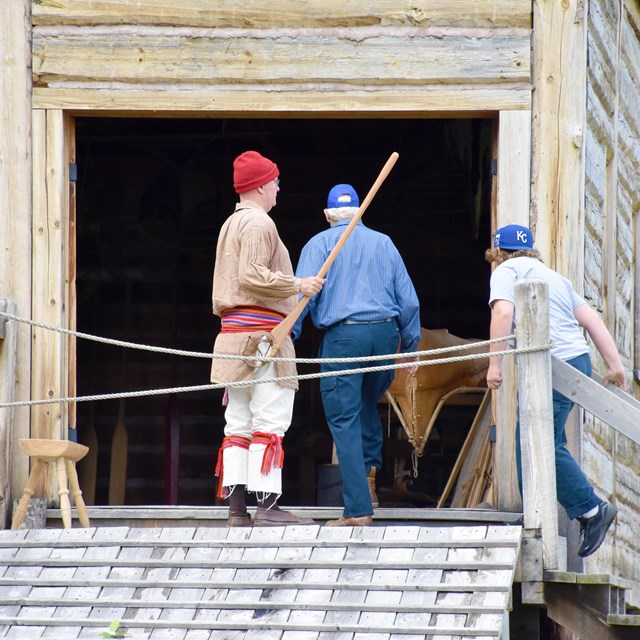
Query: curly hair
[[498, 256]]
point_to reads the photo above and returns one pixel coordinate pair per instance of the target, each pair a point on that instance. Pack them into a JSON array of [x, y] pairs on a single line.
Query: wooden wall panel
[[612, 151], [557, 194], [290, 13], [15, 202], [50, 221], [191, 58]]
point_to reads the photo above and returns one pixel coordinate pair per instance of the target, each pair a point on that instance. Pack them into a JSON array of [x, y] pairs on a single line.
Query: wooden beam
[[512, 207], [428, 102], [15, 200], [536, 416], [50, 273], [272, 58], [286, 13], [8, 380], [559, 104], [609, 404]]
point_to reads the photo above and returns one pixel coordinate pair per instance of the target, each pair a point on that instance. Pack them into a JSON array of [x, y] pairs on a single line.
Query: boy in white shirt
[[569, 314]]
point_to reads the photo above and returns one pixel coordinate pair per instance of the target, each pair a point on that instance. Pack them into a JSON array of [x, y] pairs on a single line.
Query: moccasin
[[278, 518], [239, 520], [359, 521]]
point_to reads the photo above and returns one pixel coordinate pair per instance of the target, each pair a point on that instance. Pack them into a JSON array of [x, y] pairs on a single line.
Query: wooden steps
[[591, 605], [282, 582]]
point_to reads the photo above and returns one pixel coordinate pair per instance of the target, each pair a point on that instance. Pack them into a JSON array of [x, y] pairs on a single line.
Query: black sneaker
[[594, 529]]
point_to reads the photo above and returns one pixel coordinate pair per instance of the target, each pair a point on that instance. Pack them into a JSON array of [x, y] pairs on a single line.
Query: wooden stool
[[63, 453]]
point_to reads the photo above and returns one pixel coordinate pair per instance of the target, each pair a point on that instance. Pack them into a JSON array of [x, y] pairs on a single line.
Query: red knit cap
[[251, 170]]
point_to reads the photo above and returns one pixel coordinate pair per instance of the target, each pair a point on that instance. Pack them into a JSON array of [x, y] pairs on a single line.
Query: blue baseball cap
[[342, 195], [513, 237]]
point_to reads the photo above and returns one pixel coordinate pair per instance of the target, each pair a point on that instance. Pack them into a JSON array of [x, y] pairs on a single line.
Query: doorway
[[151, 197]]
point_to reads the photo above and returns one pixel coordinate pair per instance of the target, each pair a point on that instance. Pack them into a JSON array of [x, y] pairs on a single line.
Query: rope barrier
[[214, 356], [249, 383]]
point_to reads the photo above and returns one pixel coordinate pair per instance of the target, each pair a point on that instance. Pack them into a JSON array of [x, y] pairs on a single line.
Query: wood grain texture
[[536, 416], [15, 200], [291, 13], [428, 102], [314, 580], [201, 57]]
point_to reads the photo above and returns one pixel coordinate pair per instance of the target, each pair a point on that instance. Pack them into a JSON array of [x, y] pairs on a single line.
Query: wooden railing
[[538, 372]]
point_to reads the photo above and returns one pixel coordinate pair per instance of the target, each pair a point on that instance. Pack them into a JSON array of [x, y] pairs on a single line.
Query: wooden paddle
[[120, 441], [279, 333]]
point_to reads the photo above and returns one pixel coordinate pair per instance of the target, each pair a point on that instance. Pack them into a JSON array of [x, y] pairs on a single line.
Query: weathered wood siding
[[292, 13], [612, 200], [15, 205], [296, 57]]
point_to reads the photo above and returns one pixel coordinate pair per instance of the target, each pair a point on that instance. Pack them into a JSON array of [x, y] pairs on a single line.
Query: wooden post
[[536, 416], [512, 206], [15, 201], [8, 358]]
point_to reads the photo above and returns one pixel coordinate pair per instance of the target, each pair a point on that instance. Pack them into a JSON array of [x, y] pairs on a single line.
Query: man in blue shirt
[[368, 306]]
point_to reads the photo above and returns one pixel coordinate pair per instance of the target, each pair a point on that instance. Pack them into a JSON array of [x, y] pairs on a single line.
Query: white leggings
[[262, 407]]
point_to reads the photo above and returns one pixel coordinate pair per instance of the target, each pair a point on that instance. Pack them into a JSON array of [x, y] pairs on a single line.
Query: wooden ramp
[[395, 582]]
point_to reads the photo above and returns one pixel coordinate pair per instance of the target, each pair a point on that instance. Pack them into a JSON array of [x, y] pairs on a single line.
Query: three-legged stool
[[63, 454]]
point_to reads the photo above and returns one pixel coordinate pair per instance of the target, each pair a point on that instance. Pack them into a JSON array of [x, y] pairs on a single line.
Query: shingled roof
[[396, 582]]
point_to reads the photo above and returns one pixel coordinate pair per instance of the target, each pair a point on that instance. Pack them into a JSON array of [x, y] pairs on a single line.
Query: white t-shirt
[[566, 334]]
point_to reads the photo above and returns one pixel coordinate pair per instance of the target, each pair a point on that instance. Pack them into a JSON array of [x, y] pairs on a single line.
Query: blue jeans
[[575, 493], [351, 405]]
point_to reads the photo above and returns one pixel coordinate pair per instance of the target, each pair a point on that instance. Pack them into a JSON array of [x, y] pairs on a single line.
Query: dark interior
[[151, 197]]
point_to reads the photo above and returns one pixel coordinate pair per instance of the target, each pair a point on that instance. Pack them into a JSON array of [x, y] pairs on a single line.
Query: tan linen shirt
[[252, 267]]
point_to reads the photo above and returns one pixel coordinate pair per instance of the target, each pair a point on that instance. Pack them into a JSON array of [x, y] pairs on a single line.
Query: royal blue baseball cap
[[342, 195], [513, 237]]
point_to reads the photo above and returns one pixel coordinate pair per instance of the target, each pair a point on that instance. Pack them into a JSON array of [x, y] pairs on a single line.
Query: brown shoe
[[359, 521], [276, 517], [239, 520], [371, 480]]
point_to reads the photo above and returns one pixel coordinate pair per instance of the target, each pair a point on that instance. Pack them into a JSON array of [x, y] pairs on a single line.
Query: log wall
[[612, 202], [296, 57]]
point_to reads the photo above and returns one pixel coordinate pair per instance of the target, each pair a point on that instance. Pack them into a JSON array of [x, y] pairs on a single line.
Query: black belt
[[365, 321]]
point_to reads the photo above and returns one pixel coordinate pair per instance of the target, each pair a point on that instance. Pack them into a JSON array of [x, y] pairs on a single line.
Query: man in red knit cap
[[253, 290]]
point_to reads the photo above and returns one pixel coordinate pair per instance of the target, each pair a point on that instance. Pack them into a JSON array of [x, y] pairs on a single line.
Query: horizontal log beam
[[202, 57], [438, 101], [289, 13]]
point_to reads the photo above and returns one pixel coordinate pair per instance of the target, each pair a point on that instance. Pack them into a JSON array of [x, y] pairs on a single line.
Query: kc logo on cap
[[513, 237]]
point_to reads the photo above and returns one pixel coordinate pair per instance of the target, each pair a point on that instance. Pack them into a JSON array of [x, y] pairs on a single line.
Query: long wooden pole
[[279, 333]]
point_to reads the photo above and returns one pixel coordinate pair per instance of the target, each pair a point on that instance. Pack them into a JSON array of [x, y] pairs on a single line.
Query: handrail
[[610, 404]]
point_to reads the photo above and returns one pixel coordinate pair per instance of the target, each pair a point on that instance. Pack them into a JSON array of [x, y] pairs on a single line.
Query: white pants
[[261, 407]]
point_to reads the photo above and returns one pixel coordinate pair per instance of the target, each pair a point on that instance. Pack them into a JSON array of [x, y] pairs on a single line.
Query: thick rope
[[214, 356], [249, 383]]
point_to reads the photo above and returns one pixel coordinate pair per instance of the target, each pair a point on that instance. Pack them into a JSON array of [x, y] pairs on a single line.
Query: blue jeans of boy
[[575, 493]]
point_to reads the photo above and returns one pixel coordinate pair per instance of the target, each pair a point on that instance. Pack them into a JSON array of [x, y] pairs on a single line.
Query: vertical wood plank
[[559, 106], [15, 202], [8, 347], [611, 196], [512, 207], [50, 217], [536, 416]]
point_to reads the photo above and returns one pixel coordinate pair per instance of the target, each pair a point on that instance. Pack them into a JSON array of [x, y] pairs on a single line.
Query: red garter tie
[[273, 456], [228, 441]]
